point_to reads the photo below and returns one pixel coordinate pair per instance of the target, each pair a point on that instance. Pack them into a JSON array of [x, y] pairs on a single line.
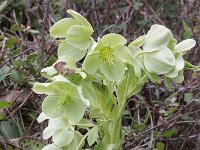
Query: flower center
[[64, 100], [106, 54]]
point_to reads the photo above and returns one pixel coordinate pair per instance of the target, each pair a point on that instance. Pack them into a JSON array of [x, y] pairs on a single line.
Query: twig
[[42, 35], [15, 56]]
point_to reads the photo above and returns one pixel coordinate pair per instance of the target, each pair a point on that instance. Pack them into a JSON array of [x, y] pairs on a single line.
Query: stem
[[82, 140], [117, 121]]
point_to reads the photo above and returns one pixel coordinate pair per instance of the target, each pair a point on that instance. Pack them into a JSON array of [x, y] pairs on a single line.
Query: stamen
[[64, 100], [106, 55]]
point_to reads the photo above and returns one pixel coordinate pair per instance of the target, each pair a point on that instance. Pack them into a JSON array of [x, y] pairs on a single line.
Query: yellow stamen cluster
[[64, 100], [106, 55]]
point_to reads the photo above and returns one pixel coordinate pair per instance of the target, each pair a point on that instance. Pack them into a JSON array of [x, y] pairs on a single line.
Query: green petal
[[60, 28], [48, 71], [51, 147], [159, 62], [91, 63], [114, 71], [70, 62], [179, 78], [65, 49], [178, 66], [48, 132], [79, 18], [157, 38], [138, 42], [185, 45], [52, 126], [79, 36], [41, 88], [76, 110], [42, 117], [62, 136], [59, 78], [50, 109], [62, 88], [123, 53], [112, 40]]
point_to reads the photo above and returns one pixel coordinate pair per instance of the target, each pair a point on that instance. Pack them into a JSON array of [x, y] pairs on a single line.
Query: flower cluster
[[109, 67]]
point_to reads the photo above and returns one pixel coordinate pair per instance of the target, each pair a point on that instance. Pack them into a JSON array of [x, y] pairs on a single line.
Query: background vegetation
[[24, 38]]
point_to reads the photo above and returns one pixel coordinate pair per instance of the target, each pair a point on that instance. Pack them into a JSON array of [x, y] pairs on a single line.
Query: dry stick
[[15, 57], [143, 134], [182, 145], [42, 35]]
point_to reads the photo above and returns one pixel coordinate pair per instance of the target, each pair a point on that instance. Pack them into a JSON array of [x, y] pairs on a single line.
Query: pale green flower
[[63, 99], [76, 32], [158, 58], [109, 55], [176, 74]]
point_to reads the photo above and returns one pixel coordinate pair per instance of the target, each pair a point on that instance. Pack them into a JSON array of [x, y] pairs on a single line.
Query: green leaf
[[4, 104], [89, 93], [159, 62], [62, 136], [76, 140], [179, 78], [9, 129], [170, 132], [167, 83], [160, 146], [10, 42], [2, 116], [106, 146], [84, 123], [121, 88], [32, 144], [188, 97], [114, 71], [60, 28], [187, 33], [15, 28], [92, 135]]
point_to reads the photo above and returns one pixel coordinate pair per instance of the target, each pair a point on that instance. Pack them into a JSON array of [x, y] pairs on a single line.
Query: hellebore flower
[[61, 131], [109, 55], [63, 99], [77, 32], [176, 74], [158, 58]]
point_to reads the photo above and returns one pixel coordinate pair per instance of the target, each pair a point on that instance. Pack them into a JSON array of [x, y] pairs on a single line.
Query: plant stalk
[[117, 121]]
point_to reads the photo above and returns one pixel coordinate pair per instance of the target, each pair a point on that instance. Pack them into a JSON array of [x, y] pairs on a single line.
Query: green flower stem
[[117, 121], [82, 140]]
